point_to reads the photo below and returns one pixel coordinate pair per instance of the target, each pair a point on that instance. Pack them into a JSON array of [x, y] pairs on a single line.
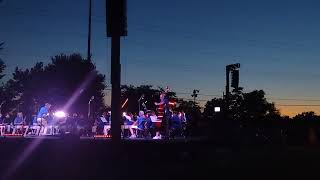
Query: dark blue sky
[[183, 44]]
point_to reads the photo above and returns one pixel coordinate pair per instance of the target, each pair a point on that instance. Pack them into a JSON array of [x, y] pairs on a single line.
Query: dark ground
[[181, 159]]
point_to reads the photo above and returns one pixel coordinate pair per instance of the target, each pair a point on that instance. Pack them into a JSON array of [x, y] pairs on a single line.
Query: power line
[[216, 95], [209, 95], [289, 99], [302, 105]]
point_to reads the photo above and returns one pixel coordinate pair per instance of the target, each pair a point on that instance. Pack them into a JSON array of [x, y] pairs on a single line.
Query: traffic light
[[116, 12], [235, 79]]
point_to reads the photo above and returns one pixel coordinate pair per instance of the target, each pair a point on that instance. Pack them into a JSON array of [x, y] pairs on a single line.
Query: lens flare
[[60, 114]]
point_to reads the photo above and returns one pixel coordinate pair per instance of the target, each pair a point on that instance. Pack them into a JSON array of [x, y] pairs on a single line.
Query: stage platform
[[106, 138]]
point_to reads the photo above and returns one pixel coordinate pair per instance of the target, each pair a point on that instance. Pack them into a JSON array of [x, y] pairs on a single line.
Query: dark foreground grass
[[196, 159]]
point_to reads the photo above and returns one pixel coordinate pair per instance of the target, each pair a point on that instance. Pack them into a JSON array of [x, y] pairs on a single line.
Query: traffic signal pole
[[229, 68], [227, 82], [116, 90], [116, 27]]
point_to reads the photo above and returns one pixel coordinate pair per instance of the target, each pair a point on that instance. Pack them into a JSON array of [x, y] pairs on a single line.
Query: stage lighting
[[60, 114], [217, 109]]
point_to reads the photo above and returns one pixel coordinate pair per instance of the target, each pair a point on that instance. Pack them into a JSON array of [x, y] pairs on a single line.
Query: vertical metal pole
[[89, 33], [226, 108], [139, 105], [89, 111], [227, 82], [116, 91]]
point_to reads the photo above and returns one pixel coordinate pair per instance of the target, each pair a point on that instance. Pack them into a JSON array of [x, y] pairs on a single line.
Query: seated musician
[[19, 123], [7, 122], [129, 120], [1, 118], [43, 116], [175, 125], [35, 126], [109, 117], [83, 126], [2, 126], [141, 121], [103, 122], [156, 125], [149, 124]]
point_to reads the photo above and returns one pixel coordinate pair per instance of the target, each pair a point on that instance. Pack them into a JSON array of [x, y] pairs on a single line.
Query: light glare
[[60, 114]]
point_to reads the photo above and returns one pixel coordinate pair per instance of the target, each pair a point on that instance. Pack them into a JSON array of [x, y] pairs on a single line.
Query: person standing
[[164, 113]]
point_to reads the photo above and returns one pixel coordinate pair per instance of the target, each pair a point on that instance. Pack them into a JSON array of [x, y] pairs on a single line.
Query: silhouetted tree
[[2, 65], [150, 95], [305, 128], [253, 106], [209, 110], [67, 82], [193, 115], [2, 89], [195, 95], [306, 117], [133, 94], [248, 113]]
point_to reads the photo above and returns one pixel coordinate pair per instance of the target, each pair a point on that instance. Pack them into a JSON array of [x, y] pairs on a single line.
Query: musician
[[7, 121], [129, 120], [19, 122], [1, 118], [19, 119], [156, 125], [2, 126], [183, 120], [102, 123], [176, 124], [148, 124], [109, 117], [165, 117], [84, 127], [71, 123], [141, 121], [43, 112], [182, 116], [42, 117]]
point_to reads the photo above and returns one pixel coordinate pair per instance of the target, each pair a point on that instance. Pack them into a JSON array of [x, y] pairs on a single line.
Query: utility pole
[[195, 95], [89, 32], [116, 27]]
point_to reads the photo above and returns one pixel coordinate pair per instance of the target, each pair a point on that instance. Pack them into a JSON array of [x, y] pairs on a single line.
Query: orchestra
[[161, 123]]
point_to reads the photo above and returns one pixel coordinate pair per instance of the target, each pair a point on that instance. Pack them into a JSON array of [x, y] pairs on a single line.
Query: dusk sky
[[183, 44]]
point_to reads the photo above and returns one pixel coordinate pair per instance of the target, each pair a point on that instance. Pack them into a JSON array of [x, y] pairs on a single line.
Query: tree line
[[69, 81]]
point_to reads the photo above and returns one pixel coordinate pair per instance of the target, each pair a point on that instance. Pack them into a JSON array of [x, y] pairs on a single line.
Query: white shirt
[[154, 118], [103, 119], [128, 117]]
